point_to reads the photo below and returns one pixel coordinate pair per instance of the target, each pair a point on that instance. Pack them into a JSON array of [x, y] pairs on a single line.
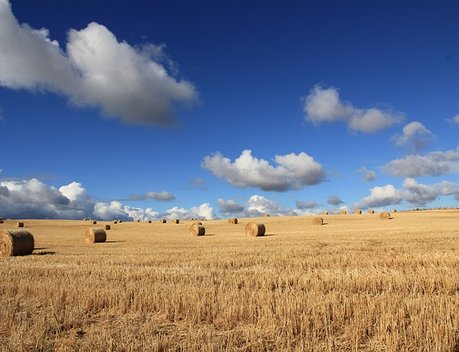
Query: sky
[[178, 109]]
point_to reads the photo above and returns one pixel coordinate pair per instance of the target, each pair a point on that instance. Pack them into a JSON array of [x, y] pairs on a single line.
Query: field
[[357, 283]]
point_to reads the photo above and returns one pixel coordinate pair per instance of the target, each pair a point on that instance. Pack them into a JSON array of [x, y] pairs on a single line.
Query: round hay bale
[[266, 215], [149, 221], [233, 221], [197, 230], [394, 210], [343, 212], [162, 221], [120, 221], [197, 223], [95, 234], [318, 221], [16, 242], [255, 230], [94, 222], [357, 211], [384, 215], [1, 221], [325, 213], [175, 221], [115, 222], [19, 224], [138, 220], [107, 227], [371, 211]]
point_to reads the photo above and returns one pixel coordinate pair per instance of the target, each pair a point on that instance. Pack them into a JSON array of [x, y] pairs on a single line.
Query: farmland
[[357, 283]]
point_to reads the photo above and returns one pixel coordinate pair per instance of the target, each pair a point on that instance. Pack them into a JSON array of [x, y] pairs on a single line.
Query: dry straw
[[16, 242], [371, 211], [175, 221], [233, 221], [162, 221], [343, 212], [384, 216], [19, 224], [197, 230], [253, 229], [318, 221], [95, 234], [358, 211], [107, 227]]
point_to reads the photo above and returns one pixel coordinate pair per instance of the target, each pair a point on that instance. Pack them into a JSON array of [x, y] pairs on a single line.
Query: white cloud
[[202, 211], [324, 105], [415, 136], [334, 200], [294, 171], [96, 70], [110, 211], [367, 175], [455, 119], [432, 164], [306, 205], [380, 197], [258, 205], [421, 194], [161, 196]]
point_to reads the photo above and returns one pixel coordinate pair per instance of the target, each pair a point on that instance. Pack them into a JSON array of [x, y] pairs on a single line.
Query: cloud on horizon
[[324, 105], [334, 200], [96, 70], [367, 175], [414, 137], [293, 171], [163, 196]]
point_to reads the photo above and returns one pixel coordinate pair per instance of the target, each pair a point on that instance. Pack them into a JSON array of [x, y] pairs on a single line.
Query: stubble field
[[357, 283]]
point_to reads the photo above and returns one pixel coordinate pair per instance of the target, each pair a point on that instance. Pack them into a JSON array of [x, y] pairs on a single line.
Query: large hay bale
[[343, 212], [371, 211], [175, 221], [384, 215], [357, 211], [255, 230], [233, 221], [107, 227], [197, 230], [95, 234], [16, 242], [19, 224], [318, 221]]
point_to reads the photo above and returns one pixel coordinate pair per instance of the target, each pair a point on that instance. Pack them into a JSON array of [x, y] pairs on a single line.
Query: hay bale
[[255, 230], [149, 221], [318, 221], [325, 213], [394, 210], [107, 227], [357, 211], [233, 221], [120, 221], [197, 223], [94, 222], [138, 220], [371, 211], [115, 222], [1, 221], [266, 215], [163, 221], [175, 221], [343, 212], [19, 224], [197, 230], [95, 234], [384, 215], [16, 242]]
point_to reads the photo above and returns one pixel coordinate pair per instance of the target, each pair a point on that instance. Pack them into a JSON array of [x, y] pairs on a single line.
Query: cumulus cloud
[[380, 197], [334, 200], [96, 70], [198, 182], [229, 206], [324, 105], [415, 136], [432, 164], [455, 119], [306, 205], [35, 199], [258, 205], [367, 175], [293, 171], [204, 210], [161, 196], [421, 194]]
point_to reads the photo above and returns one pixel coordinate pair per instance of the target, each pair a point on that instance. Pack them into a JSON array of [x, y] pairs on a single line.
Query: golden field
[[357, 283]]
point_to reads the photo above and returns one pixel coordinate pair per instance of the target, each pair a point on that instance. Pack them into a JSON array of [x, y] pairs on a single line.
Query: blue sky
[[216, 109]]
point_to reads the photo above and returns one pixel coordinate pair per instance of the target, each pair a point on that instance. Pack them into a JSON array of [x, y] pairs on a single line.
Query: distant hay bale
[[175, 221], [197, 223], [149, 221], [94, 222], [266, 215], [255, 230], [19, 224], [384, 215], [371, 211], [120, 221], [1, 221], [357, 211], [233, 221], [318, 221], [197, 230], [16, 242], [138, 220], [85, 219], [115, 222], [162, 221], [394, 210], [325, 213], [95, 234], [343, 212], [107, 227]]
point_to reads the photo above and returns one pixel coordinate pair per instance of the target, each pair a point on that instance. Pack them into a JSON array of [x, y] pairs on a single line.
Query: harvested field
[[357, 284]]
